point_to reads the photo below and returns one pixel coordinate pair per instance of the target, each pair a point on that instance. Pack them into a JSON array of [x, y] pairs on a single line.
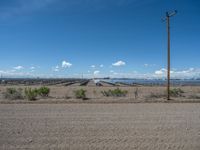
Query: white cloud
[[163, 71], [96, 72], [66, 64], [92, 66], [101, 65], [158, 72], [18, 67], [32, 68], [119, 63], [56, 69], [187, 73], [12, 73]]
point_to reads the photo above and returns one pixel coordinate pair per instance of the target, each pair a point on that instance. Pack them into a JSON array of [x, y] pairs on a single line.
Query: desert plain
[[61, 121]]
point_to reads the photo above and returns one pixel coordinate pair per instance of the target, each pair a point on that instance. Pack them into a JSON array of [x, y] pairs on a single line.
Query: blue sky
[[97, 38]]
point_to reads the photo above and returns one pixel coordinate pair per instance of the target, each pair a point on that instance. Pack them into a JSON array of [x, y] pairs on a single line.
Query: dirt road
[[100, 126]]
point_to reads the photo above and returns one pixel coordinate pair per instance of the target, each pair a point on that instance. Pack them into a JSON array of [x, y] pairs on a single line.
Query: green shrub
[[31, 94], [13, 93], [176, 92], [43, 91], [80, 94], [115, 93]]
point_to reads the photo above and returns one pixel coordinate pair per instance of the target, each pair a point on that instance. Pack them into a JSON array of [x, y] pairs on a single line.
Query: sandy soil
[[65, 94], [100, 126]]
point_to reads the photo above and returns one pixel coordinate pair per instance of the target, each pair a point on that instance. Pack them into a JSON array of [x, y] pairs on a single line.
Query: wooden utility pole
[[168, 15]]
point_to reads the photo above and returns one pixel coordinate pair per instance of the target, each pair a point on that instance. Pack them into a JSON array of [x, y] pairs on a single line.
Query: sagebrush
[[13, 94], [43, 91], [176, 92], [31, 94], [115, 93], [80, 94]]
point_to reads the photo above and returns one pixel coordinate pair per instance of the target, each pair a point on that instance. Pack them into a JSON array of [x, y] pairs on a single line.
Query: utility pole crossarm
[[171, 14]]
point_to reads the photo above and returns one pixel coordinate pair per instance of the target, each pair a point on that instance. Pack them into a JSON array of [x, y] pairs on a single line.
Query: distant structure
[[2, 81], [167, 19]]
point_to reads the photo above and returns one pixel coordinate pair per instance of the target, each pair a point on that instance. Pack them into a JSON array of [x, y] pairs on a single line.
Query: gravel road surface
[[151, 126]]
